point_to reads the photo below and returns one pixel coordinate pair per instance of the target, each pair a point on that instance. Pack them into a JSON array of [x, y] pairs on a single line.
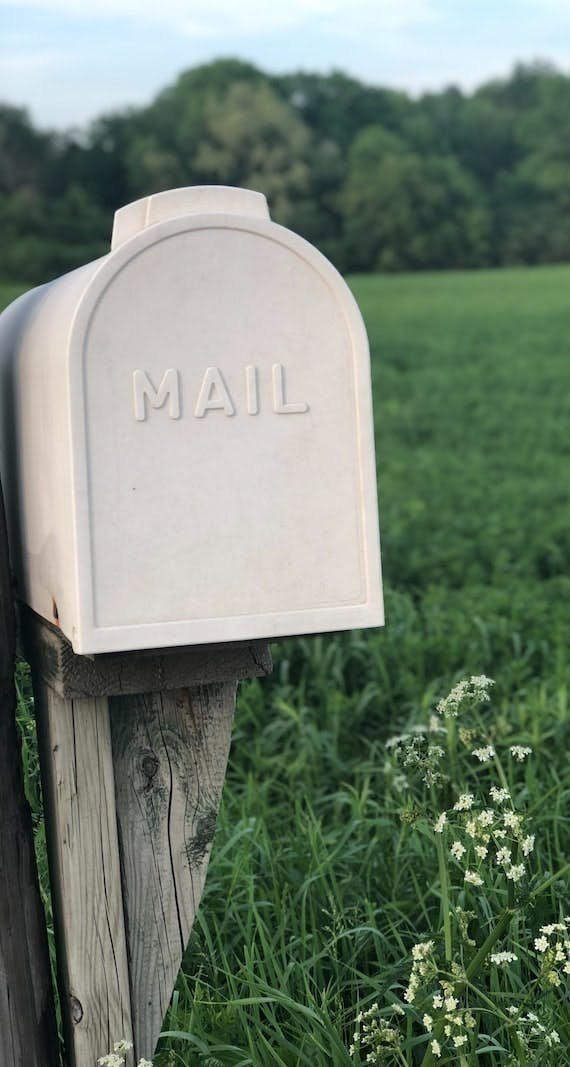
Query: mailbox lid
[[222, 429]]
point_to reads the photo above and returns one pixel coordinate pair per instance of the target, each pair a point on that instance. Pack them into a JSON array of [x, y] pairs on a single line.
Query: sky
[[69, 61]]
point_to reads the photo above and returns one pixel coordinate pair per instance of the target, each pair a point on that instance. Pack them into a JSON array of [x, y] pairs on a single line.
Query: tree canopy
[[378, 180]]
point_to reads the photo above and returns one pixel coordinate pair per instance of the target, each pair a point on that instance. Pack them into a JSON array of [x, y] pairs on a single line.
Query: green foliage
[[403, 210], [377, 180]]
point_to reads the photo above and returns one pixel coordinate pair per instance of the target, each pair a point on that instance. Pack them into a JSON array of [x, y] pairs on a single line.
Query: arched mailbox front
[[190, 445]]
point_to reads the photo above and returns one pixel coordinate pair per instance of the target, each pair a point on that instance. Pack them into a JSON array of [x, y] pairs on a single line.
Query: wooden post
[[134, 752], [28, 1034]]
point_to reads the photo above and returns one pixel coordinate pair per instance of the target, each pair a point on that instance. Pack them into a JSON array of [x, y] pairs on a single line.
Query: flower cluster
[[376, 1034], [553, 948], [482, 837], [537, 1037], [424, 968], [116, 1058], [472, 692], [416, 753], [489, 837], [446, 1016]]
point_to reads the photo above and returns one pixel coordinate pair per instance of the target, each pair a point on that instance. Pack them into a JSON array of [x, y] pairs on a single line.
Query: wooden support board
[[170, 752], [28, 1034], [133, 784]]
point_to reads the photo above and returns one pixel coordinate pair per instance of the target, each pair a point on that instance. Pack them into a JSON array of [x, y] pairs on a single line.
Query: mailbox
[[187, 440]]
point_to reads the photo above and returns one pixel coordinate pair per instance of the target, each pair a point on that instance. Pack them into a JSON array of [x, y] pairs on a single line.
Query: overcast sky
[[68, 61]]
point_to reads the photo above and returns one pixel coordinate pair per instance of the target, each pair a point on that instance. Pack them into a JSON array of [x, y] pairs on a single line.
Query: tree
[[253, 139], [405, 212]]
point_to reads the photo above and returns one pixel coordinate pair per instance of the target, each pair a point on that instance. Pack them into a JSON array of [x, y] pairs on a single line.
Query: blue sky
[[68, 61]]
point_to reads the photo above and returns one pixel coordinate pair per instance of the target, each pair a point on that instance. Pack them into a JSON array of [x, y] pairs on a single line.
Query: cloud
[[16, 64], [241, 17]]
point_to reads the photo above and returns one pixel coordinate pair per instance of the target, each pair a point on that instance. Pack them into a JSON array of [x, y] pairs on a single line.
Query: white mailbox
[[187, 436]]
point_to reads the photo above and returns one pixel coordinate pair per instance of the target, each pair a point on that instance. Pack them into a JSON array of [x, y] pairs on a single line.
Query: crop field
[[332, 861]]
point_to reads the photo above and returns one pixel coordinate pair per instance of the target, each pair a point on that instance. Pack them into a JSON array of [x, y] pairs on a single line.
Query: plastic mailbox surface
[[187, 435]]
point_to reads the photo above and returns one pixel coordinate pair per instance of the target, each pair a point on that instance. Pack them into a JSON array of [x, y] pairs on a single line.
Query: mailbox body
[[187, 438]]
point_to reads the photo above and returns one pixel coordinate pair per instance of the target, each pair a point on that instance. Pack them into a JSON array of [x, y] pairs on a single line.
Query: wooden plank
[[83, 844], [28, 1034], [170, 753], [117, 673], [132, 784]]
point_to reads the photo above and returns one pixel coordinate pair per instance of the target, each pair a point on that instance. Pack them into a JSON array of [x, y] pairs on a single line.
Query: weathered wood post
[[134, 753], [28, 1032], [191, 455]]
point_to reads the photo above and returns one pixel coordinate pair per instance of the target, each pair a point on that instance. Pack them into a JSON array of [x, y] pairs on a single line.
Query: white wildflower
[[527, 844], [437, 1000], [421, 950], [504, 855], [516, 873], [449, 706], [457, 850], [144, 1063], [440, 823], [503, 957], [111, 1060], [520, 752], [450, 1004], [459, 1040], [499, 794], [473, 877], [122, 1046], [481, 851], [484, 754], [541, 944], [427, 1021], [481, 682], [436, 1049], [464, 803]]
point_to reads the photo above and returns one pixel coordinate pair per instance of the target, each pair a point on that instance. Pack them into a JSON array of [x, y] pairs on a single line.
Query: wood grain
[[85, 873], [117, 673], [28, 1034], [132, 785], [170, 753]]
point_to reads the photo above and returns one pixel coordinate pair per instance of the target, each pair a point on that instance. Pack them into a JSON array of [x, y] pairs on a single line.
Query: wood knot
[[150, 765], [76, 1009]]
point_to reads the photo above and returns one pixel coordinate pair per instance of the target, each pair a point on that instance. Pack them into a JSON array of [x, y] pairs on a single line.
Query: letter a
[[213, 395], [144, 388]]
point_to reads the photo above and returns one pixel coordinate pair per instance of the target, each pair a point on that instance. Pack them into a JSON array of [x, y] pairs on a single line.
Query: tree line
[[378, 180]]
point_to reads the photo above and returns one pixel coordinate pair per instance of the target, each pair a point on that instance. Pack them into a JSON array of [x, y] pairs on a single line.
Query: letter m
[[144, 390]]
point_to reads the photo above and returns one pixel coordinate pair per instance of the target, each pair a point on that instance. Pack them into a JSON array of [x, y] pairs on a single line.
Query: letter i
[[252, 390]]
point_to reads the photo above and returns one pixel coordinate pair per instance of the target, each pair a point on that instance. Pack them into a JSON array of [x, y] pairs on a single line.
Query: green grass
[[317, 889]]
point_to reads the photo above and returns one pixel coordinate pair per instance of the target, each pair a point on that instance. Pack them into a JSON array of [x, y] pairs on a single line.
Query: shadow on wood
[[28, 1034]]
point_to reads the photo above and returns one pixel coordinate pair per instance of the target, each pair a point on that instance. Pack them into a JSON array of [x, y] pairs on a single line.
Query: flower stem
[[553, 878], [472, 970], [445, 910]]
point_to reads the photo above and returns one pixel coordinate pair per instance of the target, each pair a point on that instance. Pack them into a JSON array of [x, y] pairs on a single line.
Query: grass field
[[326, 870]]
